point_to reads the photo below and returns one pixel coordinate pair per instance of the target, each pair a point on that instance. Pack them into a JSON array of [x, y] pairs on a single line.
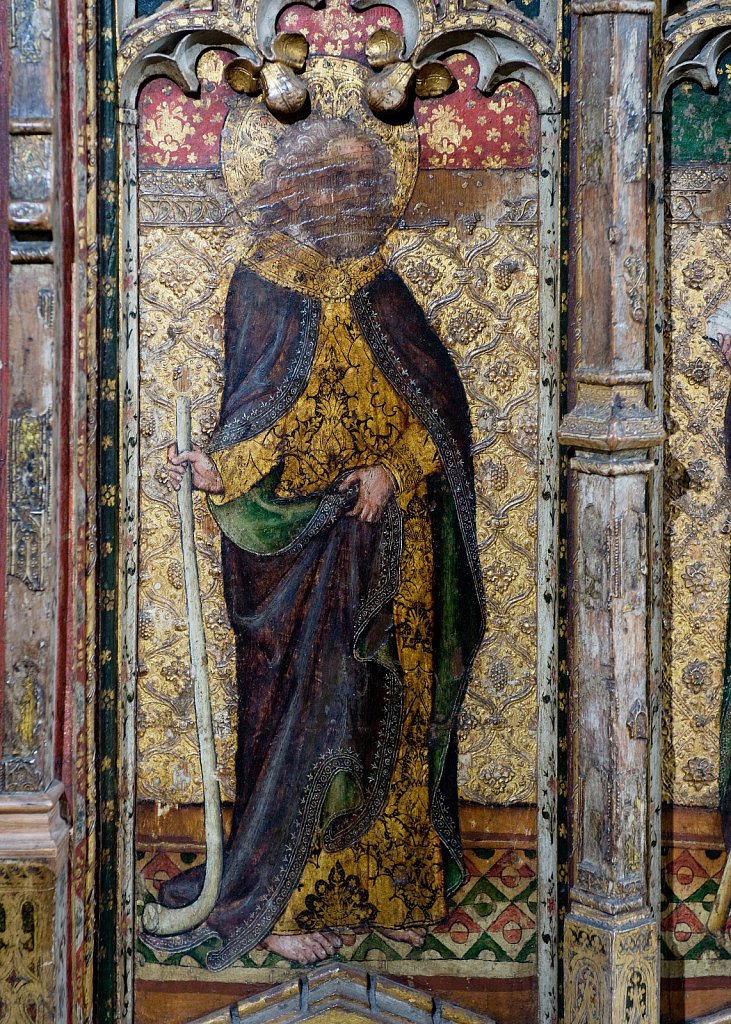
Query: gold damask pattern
[[348, 416], [478, 283], [184, 277], [697, 505]]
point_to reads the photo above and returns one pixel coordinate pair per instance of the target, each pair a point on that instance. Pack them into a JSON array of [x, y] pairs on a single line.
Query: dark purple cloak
[[310, 604]]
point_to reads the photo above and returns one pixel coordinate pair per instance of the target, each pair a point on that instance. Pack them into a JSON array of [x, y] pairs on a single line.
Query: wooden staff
[[719, 911], [156, 918]]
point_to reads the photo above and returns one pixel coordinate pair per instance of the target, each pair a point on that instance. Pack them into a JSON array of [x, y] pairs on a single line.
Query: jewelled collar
[[287, 262]]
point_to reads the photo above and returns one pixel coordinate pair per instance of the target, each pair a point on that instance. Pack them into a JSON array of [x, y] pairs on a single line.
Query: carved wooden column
[[33, 834], [610, 954]]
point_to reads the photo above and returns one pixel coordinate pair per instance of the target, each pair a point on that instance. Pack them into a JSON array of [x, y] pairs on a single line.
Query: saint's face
[[338, 200]]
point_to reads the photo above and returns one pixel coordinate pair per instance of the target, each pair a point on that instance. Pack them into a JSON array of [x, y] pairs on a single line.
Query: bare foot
[[414, 936], [307, 948]]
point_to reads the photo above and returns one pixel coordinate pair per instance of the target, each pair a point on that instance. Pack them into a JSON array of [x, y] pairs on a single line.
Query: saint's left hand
[[375, 489]]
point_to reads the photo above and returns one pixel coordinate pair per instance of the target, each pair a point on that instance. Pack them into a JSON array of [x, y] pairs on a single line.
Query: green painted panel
[[698, 123]]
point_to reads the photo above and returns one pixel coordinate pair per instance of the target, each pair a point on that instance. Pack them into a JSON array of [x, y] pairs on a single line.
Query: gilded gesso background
[[698, 509], [468, 250], [698, 493]]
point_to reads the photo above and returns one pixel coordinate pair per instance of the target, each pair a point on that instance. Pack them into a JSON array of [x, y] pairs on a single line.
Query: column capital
[[32, 828], [611, 417]]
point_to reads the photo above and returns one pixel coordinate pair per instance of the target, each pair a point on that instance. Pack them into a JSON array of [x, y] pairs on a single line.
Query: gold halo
[[337, 90]]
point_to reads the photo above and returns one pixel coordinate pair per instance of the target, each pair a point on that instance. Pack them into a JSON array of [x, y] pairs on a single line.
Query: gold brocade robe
[[349, 416]]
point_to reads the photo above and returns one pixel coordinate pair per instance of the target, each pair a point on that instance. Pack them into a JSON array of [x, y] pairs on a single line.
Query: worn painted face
[[332, 190]]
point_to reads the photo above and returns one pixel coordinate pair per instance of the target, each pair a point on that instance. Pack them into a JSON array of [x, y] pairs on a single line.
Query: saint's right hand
[[204, 471]]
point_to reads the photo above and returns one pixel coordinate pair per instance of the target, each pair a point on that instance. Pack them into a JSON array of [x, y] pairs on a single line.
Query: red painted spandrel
[[337, 30], [466, 129], [184, 131], [463, 130]]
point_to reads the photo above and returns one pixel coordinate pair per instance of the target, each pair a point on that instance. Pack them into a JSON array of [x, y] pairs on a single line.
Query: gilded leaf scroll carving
[[27, 896]]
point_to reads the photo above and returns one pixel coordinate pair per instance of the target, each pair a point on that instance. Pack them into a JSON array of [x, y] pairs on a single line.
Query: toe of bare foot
[[416, 936], [332, 937], [303, 949], [413, 936]]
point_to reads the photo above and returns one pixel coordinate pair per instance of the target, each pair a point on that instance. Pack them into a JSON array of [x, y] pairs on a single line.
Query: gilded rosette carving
[[697, 494]]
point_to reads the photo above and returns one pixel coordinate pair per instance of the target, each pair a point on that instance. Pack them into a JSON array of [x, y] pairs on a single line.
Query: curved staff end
[[156, 918]]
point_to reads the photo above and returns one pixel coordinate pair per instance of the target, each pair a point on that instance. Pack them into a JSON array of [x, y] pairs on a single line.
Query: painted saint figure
[[340, 476]]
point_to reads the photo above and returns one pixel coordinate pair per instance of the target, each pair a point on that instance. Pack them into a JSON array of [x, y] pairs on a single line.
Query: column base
[[611, 969], [34, 906]]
